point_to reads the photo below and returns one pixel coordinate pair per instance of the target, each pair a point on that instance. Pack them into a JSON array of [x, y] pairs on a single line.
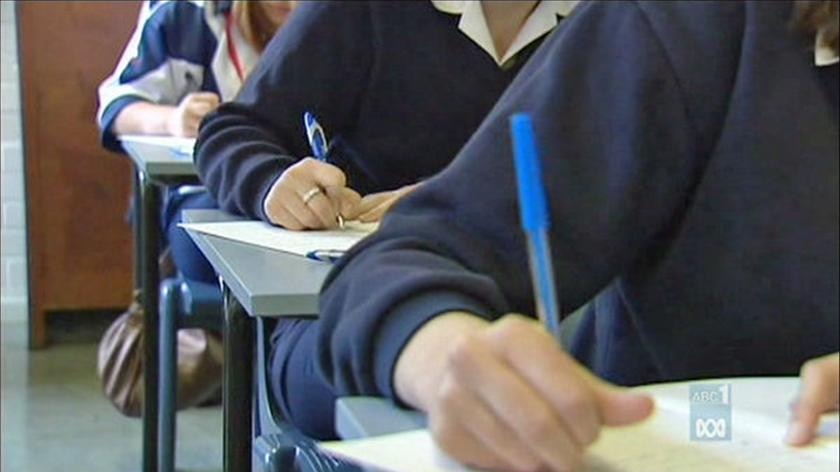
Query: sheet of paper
[[181, 146], [661, 443], [301, 243]]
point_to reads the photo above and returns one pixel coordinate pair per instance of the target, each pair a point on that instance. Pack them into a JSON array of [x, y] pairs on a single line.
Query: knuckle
[[514, 325], [463, 353]]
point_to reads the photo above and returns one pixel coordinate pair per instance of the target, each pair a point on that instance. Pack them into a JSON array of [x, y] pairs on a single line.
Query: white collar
[[473, 23], [824, 55]]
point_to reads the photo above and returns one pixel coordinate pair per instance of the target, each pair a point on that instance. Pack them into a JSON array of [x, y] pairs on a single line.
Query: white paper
[[259, 233], [181, 146], [661, 443]]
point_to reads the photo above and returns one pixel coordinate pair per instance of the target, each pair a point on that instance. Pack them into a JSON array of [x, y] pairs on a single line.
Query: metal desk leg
[[237, 385], [136, 231], [150, 249]]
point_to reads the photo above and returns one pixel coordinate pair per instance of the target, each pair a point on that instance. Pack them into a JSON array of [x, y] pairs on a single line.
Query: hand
[[284, 203], [373, 206], [506, 396], [818, 393], [186, 117]]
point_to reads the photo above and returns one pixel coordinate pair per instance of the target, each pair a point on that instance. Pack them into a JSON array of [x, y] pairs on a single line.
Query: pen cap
[[532, 197]]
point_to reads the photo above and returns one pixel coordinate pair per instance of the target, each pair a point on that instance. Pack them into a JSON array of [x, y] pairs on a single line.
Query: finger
[[197, 111], [292, 198], [451, 436], [373, 200], [376, 213], [325, 209], [518, 405], [346, 200], [498, 448], [615, 406], [619, 406], [573, 401], [322, 174], [277, 213], [817, 394]]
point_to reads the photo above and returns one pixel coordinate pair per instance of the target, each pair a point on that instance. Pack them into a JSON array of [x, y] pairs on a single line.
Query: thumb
[[620, 407]]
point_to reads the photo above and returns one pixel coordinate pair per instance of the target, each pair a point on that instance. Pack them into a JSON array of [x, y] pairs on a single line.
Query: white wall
[[13, 286]]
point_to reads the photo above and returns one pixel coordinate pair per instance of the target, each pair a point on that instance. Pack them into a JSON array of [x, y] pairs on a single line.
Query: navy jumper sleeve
[[318, 62], [621, 142]]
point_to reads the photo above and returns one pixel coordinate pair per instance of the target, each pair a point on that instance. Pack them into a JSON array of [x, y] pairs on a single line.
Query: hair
[[256, 26], [812, 16]]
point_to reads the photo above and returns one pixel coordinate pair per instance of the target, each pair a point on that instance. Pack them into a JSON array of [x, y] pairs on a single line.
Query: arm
[[318, 63], [455, 244], [417, 311], [142, 117], [155, 88]]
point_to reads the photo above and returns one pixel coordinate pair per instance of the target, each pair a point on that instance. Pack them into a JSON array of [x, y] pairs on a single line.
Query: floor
[[54, 417]]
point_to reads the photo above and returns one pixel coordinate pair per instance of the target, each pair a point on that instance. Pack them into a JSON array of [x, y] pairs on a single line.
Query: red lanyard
[[234, 57]]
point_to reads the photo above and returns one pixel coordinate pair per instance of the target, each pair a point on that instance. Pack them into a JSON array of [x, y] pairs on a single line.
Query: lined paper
[[661, 443]]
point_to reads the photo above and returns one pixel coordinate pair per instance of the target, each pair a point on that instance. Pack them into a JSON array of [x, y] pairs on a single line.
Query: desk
[[155, 165], [258, 282], [363, 417]]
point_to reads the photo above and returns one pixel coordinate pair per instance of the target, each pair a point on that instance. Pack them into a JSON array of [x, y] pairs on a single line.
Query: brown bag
[[120, 363]]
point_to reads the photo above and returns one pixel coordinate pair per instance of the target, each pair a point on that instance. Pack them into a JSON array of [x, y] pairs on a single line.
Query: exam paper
[[661, 443], [181, 146], [260, 233]]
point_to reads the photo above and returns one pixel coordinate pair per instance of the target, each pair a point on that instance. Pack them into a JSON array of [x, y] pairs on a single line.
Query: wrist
[[422, 363]]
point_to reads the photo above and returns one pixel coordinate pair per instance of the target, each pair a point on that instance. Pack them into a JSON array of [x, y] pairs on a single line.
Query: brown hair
[[812, 16], [256, 26]]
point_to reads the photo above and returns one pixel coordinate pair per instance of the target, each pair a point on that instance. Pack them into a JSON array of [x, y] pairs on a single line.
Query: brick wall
[[13, 287]]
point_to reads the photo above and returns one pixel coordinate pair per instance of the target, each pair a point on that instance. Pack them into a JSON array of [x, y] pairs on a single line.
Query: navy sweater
[[690, 152], [397, 87]]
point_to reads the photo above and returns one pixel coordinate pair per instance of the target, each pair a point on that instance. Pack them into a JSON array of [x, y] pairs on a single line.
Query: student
[[182, 60], [398, 88], [177, 67], [690, 157]]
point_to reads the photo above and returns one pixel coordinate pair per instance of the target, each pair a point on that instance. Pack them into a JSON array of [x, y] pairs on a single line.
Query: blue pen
[[315, 135], [325, 255], [319, 145], [535, 220]]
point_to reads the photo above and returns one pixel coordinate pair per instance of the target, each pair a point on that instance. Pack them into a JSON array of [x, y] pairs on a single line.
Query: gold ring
[[310, 194]]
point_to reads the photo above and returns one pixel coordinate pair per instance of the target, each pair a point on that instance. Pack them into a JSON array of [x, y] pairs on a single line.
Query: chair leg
[[168, 384]]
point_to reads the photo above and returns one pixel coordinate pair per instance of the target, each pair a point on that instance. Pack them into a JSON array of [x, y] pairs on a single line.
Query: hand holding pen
[[311, 194]]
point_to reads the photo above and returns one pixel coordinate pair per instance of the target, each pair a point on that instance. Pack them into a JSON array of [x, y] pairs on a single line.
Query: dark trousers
[[188, 259], [304, 397]]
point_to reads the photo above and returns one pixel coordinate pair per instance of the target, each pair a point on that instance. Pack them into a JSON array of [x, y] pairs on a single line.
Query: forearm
[[421, 365], [238, 159], [144, 118]]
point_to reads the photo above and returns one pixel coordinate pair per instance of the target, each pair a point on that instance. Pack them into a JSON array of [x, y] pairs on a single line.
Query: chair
[[278, 446], [183, 304]]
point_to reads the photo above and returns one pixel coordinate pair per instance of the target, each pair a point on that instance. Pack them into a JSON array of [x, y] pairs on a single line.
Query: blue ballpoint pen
[[325, 255], [535, 220], [318, 143]]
